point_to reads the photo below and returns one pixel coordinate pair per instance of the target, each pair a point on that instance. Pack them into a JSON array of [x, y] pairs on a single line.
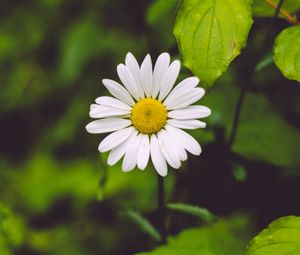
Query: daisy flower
[[146, 115]]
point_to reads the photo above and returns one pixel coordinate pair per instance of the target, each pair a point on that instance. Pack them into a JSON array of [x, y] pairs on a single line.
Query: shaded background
[[57, 196]]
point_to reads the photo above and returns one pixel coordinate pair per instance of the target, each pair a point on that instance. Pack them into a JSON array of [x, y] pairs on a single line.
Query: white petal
[[133, 67], [101, 111], [190, 112], [117, 153], [115, 139], [118, 91], [129, 82], [112, 102], [176, 143], [187, 141], [182, 88], [160, 68], [143, 153], [169, 80], [147, 75], [107, 125], [168, 149], [93, 106], [130, 158], [157, 157], [186, 124], [185, 99]]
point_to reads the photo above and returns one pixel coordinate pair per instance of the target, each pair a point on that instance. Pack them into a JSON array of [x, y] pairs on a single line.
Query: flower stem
[[237, 115], [161, 208], [246, 84]]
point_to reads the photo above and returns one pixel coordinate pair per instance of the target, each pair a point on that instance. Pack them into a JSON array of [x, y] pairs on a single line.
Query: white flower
[[146, 115]]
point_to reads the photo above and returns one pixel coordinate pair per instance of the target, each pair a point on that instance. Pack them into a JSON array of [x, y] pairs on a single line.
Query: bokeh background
[[58, 196]]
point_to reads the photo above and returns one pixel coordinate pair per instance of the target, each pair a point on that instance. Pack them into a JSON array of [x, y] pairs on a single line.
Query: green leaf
[[287, 53], [261, 8], [142, 223], [281, 237], [266, 61], [210, 34], [223, 238], [197, 211]]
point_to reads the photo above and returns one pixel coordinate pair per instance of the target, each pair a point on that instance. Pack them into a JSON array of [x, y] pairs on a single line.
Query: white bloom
[[146, 115]]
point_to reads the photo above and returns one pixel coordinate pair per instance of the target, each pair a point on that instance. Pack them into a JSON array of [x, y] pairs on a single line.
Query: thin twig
[[289, 18]]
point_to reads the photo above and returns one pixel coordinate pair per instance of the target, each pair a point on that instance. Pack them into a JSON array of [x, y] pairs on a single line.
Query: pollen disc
[[148, 116]]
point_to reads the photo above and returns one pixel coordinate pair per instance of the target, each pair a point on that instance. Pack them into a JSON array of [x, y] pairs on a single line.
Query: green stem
[[237, 115], [161, 208]]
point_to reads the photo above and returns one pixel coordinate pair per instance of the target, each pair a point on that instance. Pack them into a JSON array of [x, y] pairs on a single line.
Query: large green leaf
[[281, 237], [262, 8], [222, 238], [210, 34], [287, 53]]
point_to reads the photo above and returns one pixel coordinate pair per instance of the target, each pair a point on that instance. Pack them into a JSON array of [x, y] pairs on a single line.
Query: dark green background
[[57, 195]]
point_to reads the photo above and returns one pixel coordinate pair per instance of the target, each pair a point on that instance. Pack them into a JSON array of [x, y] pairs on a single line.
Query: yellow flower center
[[148, 116]]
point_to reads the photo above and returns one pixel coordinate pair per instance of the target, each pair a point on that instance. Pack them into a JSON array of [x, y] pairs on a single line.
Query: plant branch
[[289, 18]]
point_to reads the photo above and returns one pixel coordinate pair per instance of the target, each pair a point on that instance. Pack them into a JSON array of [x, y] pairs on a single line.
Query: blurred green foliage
[[259, 128], [57, 195], [225, 237]]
